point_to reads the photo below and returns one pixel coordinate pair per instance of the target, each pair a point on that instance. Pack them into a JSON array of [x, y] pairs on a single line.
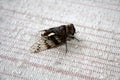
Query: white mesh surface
[[95, 57]]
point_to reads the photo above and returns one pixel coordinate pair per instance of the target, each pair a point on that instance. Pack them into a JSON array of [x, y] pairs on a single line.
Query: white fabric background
[[95, 57]]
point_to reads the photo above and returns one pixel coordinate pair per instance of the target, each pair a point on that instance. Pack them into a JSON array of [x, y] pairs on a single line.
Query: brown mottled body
[[54, 37]]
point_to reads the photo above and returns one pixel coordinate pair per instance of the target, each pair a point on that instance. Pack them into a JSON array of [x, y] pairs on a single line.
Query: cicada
[[54, 37]]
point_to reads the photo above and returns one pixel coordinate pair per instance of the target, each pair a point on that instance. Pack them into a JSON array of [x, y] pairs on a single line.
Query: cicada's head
[[70, 29]]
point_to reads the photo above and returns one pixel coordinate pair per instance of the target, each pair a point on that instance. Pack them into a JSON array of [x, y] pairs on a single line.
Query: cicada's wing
[[42, 43]]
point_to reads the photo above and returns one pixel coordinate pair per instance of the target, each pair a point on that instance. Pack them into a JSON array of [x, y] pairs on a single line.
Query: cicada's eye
[[71, 29]]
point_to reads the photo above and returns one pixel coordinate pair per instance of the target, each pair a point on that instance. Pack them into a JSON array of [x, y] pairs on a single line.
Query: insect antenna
[[76, 39], [71, 36]]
